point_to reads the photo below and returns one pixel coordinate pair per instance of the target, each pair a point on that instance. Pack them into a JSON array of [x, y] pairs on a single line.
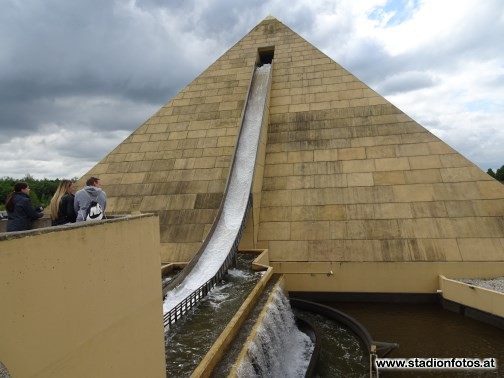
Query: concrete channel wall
[[489, 301], [39, 223], [82, 300]]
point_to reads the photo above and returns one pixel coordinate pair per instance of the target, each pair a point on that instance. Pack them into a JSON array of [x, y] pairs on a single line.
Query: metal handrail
[[201, 292]]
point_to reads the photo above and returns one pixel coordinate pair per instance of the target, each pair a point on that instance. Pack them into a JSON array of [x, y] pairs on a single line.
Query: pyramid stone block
[[348, 177]]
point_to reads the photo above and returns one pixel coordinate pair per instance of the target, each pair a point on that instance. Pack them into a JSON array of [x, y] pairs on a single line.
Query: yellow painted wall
[[39, 223], [378, 277], [83, 301]]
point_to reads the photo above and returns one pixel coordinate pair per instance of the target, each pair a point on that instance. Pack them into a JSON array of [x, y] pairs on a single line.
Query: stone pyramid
[[348, 178]]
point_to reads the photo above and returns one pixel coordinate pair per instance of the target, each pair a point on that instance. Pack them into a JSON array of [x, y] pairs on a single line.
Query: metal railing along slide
[[201, 292], [218, 251]]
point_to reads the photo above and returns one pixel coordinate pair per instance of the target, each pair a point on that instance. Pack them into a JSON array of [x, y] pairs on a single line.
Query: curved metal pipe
[[375, 348], [314, 334]]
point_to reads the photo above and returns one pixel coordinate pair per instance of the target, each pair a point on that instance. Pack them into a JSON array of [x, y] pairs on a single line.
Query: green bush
[[41, 191]]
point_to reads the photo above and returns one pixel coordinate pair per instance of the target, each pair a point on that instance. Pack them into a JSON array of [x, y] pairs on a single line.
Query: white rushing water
[[235, 203], [279, 349]]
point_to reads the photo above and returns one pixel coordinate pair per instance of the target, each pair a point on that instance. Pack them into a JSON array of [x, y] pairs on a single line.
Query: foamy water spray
[[235, 203], [279, 349]]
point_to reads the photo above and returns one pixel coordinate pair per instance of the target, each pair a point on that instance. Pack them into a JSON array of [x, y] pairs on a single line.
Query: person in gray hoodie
[[91, 192]]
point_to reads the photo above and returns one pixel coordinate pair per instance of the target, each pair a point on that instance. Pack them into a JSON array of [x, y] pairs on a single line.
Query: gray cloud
[[74, 68], [81, 49], [405, 82]]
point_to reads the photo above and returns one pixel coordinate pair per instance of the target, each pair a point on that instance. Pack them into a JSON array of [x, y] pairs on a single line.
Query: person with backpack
[[90, 202], [20, 211], [62, 204]]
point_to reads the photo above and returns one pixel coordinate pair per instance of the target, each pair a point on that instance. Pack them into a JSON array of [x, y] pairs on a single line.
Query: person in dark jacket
[[20, 211], [62, 204]]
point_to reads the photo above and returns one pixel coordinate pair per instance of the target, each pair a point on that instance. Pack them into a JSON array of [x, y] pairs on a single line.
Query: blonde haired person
[[62, 204]]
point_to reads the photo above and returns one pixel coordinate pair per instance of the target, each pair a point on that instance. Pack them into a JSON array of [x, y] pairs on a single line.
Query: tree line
[[41, 191], [498, 175]]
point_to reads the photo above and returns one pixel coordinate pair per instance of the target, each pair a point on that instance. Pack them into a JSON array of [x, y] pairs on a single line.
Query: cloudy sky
[[77, 77]]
